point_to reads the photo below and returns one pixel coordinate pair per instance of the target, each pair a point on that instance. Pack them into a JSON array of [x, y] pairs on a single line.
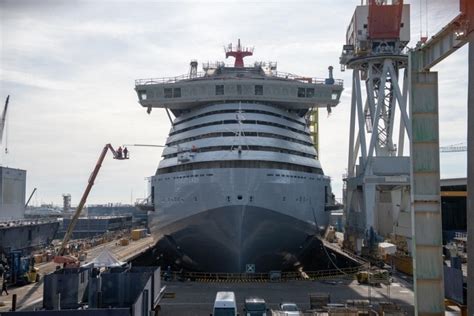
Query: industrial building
[[16, 232], [12, 197], [453, 207]]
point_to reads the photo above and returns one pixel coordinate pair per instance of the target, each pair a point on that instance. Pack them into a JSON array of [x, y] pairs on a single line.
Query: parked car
[[255, 306], [290, 309]]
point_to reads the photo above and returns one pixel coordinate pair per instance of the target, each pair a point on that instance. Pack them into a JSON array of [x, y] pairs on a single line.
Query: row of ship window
[[244, 147], [239, 197], [232, 134], [237, 122], [243, 111], [220, 90], [258, 164], [301, 199], [290, 176], [187, 176]]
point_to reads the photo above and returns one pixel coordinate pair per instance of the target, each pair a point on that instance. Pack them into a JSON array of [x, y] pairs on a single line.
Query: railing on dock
[[272, 276]]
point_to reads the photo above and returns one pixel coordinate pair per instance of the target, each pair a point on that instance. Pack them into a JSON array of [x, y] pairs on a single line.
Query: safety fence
[[272, 276]]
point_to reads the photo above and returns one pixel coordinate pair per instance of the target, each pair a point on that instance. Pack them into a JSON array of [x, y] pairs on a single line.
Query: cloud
[[70, 68], [34, 80]]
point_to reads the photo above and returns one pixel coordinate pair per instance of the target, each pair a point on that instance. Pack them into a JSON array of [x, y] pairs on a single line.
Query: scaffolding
[[314, 129]]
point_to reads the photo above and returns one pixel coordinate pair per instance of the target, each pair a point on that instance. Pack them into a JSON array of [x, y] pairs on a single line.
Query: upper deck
[[222, 83]]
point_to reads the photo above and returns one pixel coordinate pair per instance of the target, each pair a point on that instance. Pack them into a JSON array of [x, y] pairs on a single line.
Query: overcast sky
[[70, 67]]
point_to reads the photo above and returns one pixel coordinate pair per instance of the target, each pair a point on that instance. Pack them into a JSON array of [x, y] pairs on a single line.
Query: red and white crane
[[117, 154]]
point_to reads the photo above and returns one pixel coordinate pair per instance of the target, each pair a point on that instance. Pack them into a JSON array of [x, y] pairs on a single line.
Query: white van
[[225, 305]]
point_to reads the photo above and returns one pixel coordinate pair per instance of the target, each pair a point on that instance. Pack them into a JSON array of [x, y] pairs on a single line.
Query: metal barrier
[[348, 273], [203, 75]]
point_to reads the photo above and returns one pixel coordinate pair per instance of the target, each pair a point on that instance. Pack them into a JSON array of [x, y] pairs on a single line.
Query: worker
[[4, 287], [167, 275], [119, 152], [125, 152]]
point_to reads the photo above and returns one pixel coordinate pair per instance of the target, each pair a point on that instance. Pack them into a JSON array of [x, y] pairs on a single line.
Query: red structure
[[385, 19], [467, 9], [238, 54]]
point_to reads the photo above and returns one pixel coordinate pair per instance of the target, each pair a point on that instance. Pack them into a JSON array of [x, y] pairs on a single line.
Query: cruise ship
[[239, 187]]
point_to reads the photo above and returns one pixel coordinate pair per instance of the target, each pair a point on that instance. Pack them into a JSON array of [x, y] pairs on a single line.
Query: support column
[[369, 190], [425, 191], [470, 178]]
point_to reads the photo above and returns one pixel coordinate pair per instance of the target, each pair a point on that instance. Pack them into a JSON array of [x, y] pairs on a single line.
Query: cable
[[426, 17], [324, 247], [421, 21]]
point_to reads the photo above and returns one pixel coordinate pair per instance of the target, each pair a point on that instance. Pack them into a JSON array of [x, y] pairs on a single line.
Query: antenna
[[193, 69], [238, 54]]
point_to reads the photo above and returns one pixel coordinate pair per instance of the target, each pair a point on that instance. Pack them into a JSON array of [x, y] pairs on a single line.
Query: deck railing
[[148, 81], [345, 273], [202, 75]]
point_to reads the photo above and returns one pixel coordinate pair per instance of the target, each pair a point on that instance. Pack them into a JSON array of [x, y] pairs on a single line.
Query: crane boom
[[83, 200], [4, 118], [29, 199]]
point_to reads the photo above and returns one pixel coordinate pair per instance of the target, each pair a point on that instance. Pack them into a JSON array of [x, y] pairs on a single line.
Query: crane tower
[[377, 184]]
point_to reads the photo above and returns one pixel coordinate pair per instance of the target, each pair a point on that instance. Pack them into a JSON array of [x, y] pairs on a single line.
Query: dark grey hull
[[227, 239], [27, 236]]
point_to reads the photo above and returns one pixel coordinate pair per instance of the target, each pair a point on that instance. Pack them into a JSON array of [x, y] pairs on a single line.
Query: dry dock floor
[[196, 298], [32, 294]]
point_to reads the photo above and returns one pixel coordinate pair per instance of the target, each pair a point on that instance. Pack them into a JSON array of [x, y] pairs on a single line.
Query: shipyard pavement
[[197, 298]]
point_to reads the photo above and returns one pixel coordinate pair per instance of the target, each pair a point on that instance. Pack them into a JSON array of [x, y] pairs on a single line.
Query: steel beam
[[352, 151], [402, 102], [425, 190], [378, 110], [470, 177], [403, 109], [444, 43], [360, 115]]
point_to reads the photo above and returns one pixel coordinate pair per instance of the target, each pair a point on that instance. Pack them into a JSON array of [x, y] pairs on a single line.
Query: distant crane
[[29, 199], [3, 121], [453, 148], [60, 258]]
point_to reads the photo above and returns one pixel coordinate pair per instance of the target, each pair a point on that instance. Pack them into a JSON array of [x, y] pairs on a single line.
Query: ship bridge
[[222, 83]]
